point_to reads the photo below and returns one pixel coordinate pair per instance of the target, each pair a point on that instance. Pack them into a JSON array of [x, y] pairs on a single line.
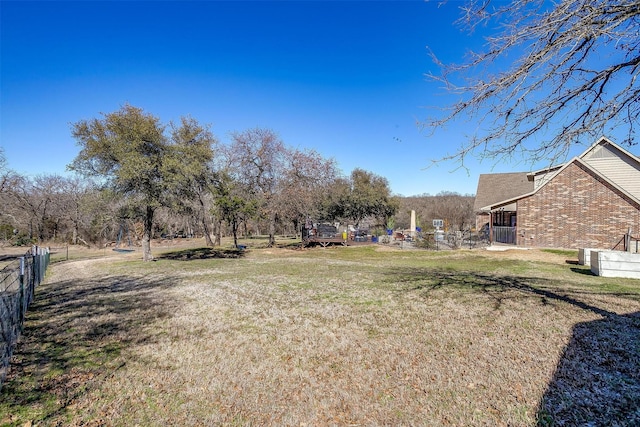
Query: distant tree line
[[456, 211], [137, 175], [138, 179]]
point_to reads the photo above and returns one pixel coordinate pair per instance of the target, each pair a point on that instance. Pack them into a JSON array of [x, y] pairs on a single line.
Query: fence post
[[47, 257], [21, 303], [31, 269], [36, 266]]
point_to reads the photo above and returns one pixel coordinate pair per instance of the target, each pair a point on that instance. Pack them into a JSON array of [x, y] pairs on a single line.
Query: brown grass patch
[[344, 336]]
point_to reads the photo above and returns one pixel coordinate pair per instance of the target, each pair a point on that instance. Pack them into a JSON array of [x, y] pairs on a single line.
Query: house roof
[[550, 169], [556, 170], [495, 187], [606, 142]]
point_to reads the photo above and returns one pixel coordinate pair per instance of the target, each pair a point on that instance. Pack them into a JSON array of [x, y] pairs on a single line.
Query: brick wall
[[577, 209], [481, 220]]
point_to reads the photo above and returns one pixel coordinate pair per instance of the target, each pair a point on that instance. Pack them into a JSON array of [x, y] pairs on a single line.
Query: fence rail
[[632, 243], [18, 281], [504, 234]]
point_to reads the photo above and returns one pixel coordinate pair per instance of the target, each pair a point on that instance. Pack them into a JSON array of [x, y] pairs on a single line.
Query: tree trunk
[[272, 230], [146, 237], [234, 227], [296, 226], [218, 241], [205, 225], [207, 233], [40, 233], [76, 226], [74, 237]]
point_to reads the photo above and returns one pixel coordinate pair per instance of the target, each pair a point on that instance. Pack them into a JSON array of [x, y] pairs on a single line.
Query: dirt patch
[[530, 255]]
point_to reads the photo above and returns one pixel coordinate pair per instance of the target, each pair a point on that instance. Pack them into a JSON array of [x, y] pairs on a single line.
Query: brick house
[[592, 201]]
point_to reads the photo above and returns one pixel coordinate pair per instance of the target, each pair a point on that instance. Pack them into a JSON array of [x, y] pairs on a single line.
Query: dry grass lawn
[[336, 336]]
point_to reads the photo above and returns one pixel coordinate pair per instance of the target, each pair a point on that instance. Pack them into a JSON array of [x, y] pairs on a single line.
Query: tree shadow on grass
[[202, 253], [74, 334], [597, 381], [499, 288]]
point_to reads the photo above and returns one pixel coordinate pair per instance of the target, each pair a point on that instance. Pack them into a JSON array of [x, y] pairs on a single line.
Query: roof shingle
[[496, 187]]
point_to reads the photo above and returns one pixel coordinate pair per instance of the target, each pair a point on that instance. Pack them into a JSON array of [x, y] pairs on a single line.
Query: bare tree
[[258, 161], [306, 181], [100, 210], [280, 184], [76, 199], [575, 75], [5, 173], [9, 214], [38, 201], [455, 209]]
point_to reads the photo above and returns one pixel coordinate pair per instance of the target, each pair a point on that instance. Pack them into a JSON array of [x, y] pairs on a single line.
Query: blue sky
[[344, 78]]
